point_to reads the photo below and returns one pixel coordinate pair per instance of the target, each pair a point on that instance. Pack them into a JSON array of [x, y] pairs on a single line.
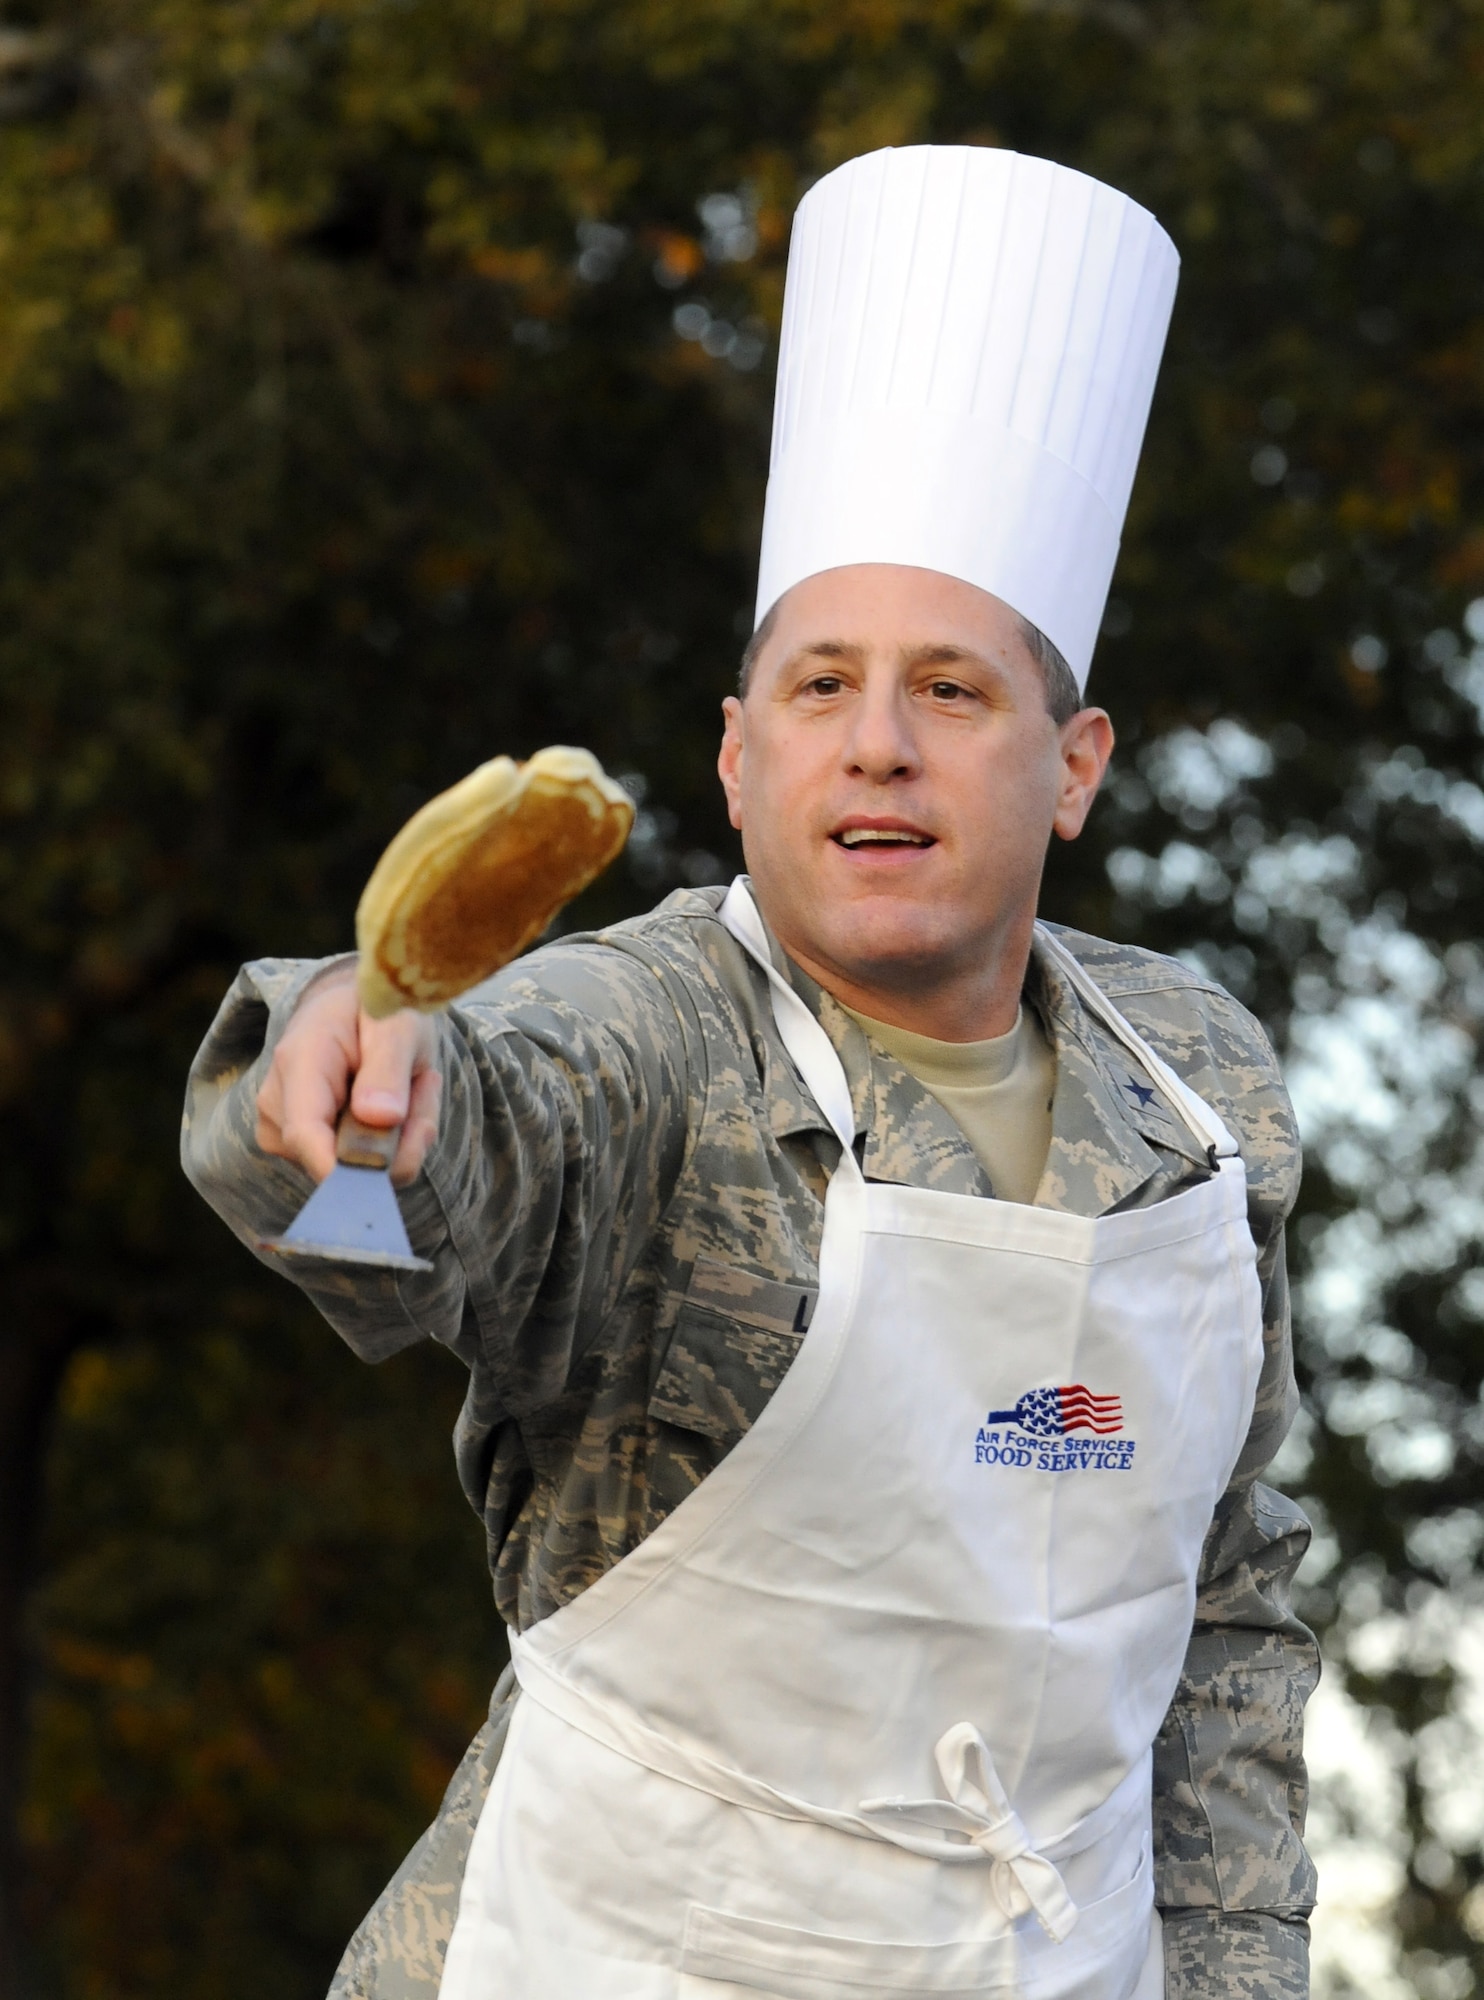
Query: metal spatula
[[352, 1216]]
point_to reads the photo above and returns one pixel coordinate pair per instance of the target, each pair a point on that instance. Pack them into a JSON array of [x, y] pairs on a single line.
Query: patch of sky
[[743, 346], [1369, 653], [1450, 1749], [1359, 1761], [1179, 872], [600, 247], [650, 854], [729, 222], [1367, 1408], [1345, 1278], [1357, 1826], [1406, 775], [1438, 1633], [1301, 873], [1449, 1544], [1232, 966], [1204, 769], [1287, 1471], [1466, 676], [1410, 1447], [1375, 1069]]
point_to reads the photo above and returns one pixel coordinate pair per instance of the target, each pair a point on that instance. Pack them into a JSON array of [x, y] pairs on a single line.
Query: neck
[[971, 1003]]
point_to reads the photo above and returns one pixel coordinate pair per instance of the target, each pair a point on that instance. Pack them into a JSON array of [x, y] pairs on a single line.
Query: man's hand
[[328, 1044]]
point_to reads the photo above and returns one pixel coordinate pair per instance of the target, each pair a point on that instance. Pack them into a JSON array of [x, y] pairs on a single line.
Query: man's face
[[896, 779]]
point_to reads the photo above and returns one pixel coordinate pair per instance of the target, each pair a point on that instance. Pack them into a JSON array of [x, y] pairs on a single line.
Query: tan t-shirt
[[999, 1091]]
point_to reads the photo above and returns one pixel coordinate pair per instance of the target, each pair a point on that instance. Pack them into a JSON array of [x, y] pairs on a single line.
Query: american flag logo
[[1054, 1412]]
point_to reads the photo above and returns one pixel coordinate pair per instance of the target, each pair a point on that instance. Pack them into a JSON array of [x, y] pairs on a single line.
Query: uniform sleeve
[[1232, 1877], [565, 1094], [399, 1949]]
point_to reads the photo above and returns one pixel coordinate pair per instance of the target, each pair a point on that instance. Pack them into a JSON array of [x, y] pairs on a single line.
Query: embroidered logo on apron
[[1038, 1434]]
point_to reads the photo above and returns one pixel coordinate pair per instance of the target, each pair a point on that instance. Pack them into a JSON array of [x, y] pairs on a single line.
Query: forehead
[[893, 611], [891, 604]]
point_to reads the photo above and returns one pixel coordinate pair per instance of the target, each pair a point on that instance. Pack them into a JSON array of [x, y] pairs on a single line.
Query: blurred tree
[[381, 387], [266, 1648]]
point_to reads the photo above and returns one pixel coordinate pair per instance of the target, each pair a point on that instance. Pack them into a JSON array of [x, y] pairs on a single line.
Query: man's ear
[[1086, 746], [729, 758]]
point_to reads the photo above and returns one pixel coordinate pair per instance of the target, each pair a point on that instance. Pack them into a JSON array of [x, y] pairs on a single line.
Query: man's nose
[[882, 744]]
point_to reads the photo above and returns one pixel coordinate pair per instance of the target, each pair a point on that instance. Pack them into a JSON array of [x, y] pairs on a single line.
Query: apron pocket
[[1101, 1959], [813, 1965]]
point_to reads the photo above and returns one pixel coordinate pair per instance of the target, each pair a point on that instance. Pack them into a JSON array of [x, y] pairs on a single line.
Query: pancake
[[479, 872]]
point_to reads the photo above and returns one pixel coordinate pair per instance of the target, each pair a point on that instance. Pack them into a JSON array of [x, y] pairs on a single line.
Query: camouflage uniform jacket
[[624, 1210]]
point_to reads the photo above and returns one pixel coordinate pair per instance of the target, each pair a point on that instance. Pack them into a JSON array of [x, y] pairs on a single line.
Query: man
[[874, 1301]]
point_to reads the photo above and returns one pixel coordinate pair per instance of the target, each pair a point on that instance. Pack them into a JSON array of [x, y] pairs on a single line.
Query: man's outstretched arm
[[543, 1122]]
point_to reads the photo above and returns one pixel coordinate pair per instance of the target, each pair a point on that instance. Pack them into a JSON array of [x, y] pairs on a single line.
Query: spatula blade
[[352, 1218]]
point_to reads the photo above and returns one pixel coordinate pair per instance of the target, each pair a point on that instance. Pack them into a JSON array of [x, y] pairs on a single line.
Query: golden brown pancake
[[480, 871]]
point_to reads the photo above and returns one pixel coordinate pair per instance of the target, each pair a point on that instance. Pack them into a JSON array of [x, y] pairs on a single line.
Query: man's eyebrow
[[834, 649], [944, 655], [826, 649]]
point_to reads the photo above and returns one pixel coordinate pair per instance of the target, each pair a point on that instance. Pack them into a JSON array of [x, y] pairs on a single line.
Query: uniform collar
[[1112, 1129]]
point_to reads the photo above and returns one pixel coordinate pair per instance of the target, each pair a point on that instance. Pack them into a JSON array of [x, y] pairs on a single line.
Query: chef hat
[[970, 340]]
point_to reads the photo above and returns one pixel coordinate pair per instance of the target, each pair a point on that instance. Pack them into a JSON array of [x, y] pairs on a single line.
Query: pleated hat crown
[[970, 342]]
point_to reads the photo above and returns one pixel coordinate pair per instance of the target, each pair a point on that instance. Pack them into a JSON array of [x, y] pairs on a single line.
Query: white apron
[[870, 1714]]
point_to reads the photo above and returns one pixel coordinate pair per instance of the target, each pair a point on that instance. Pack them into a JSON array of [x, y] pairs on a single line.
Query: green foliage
[[264, 1654], [346, 438]]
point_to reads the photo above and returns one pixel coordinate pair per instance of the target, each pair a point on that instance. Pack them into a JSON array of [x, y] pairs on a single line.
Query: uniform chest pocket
[[734, 1342]]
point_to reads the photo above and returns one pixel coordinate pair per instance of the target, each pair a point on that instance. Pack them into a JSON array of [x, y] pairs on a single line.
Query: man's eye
[[946, 690], [826, 684]]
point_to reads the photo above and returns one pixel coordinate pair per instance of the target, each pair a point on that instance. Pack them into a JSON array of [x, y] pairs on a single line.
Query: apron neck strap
[[1197, 1114], [809, 1047]]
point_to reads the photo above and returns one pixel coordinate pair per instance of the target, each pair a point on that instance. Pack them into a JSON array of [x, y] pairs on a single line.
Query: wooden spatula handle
[[358, 1145]]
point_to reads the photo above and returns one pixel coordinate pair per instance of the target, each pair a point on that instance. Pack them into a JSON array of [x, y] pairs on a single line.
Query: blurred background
[[385, 384]]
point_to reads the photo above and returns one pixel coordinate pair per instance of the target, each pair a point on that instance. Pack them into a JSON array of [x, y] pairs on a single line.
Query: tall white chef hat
[[970, 341]]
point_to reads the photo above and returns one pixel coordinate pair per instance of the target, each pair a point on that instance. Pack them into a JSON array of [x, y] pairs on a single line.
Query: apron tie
[[978, 1809]]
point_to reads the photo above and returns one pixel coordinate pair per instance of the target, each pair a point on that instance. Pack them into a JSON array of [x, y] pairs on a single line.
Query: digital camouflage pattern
[[1237, 1956], [398, 1952], [624, 1210]]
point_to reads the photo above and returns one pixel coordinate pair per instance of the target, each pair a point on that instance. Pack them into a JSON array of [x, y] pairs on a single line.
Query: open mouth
[[879, 837]]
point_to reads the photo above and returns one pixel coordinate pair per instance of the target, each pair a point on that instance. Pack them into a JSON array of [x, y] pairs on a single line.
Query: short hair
[[1063, 696], [755, 646]]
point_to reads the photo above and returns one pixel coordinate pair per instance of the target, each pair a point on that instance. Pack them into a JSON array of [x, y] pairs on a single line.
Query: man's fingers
[[390, 1050], [421, 1128], [309, 1141], [332, 1052], [314, 1077], [269, 1110], [296, 1117], [301, 1096]]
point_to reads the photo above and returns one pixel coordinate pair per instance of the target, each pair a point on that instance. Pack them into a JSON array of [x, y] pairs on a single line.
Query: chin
[[894, 945]]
